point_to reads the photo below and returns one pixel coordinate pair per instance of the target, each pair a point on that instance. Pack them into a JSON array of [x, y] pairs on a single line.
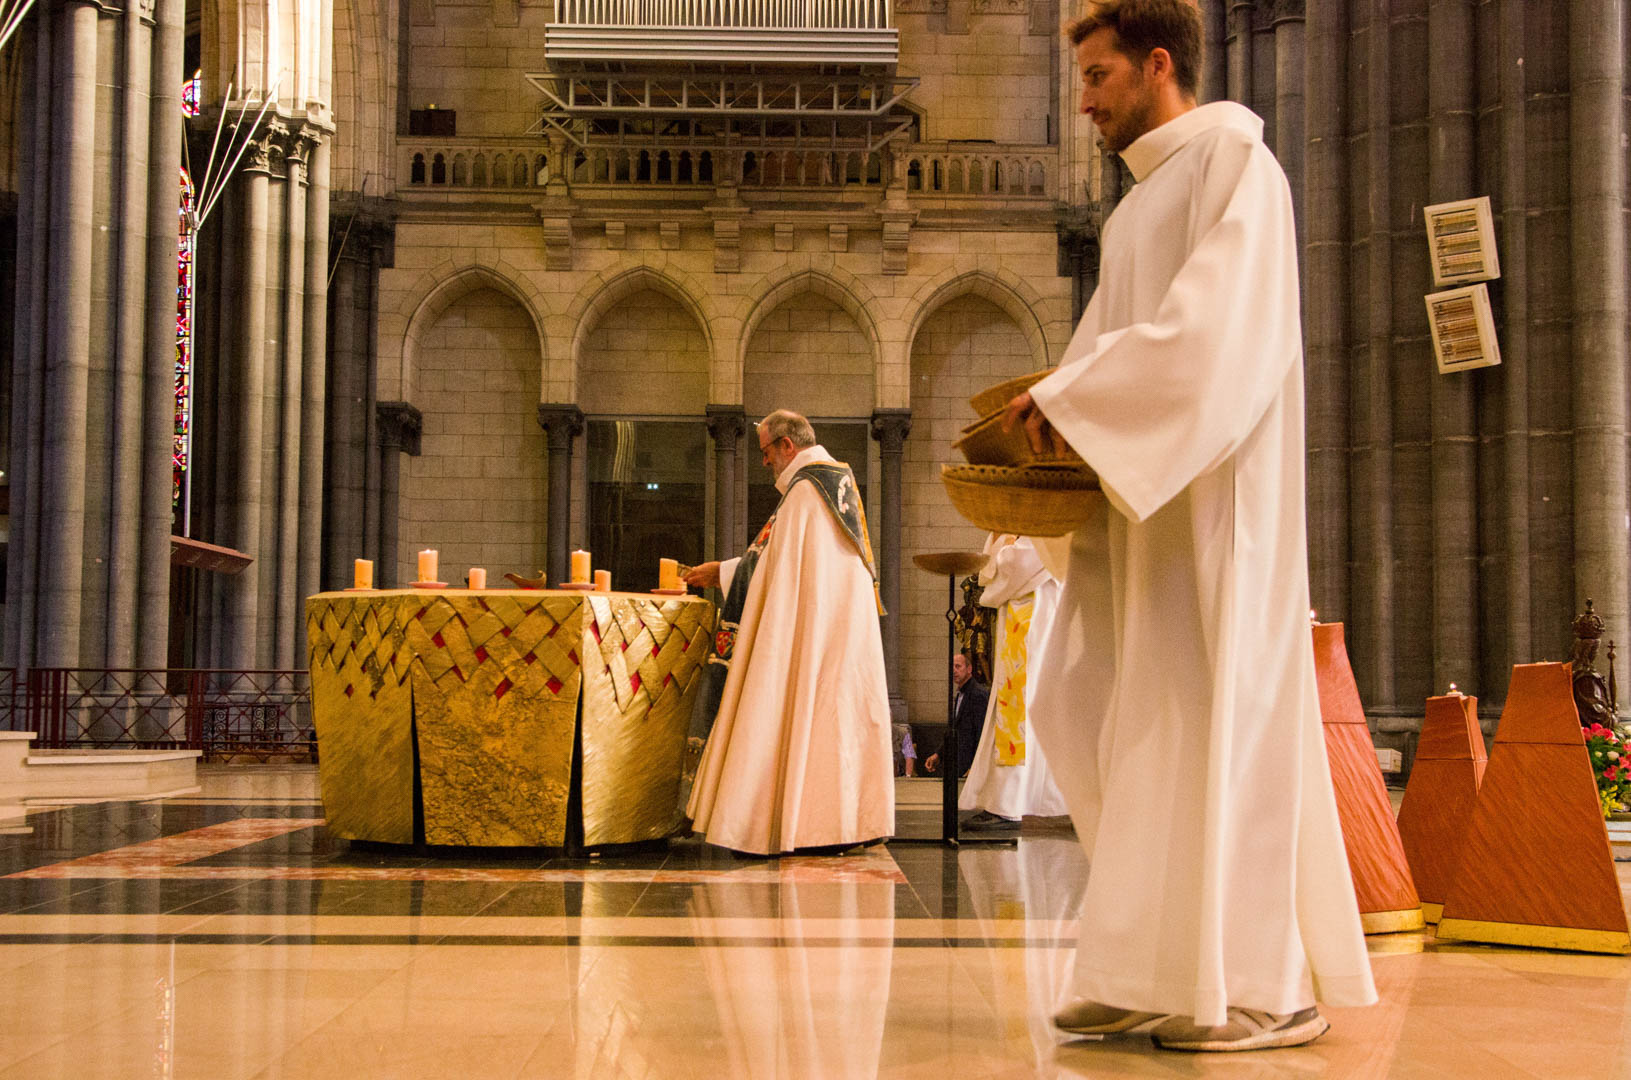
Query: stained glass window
[[192, 94], [184, 344]]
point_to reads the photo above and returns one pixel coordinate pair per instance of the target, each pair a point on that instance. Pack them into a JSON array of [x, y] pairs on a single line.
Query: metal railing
[[751, 14], [229, 715]]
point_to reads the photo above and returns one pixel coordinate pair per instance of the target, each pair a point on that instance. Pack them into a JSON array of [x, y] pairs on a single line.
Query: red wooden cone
[[1382, 882], [1535, 867], [1437, 807]]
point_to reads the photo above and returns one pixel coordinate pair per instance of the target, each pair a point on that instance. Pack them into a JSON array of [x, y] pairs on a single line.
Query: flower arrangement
[[1611, 765]]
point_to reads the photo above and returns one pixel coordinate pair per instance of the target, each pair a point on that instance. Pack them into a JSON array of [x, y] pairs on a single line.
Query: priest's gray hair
[[786, 424]]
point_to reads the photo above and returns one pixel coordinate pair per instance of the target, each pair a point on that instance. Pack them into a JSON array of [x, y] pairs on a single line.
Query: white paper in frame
[[1461, 241], [1463, 328]]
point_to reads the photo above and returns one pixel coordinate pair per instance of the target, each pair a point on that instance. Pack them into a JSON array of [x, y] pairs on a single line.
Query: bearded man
[[800, 754], [1175, 687]]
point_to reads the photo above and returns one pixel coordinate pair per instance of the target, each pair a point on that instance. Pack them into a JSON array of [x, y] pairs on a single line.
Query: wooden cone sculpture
[[1437, 807], [1535, 867], [1382, 876], [1382, 882]]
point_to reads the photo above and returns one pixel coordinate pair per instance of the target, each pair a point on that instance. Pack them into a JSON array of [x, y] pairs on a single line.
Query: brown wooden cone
[[1382, 882], [1536, 867], [1438, 800]]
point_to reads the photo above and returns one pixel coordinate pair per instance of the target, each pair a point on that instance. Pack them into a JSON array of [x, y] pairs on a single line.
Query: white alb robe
[[1175, 689], [800, 755], [1013, 576]]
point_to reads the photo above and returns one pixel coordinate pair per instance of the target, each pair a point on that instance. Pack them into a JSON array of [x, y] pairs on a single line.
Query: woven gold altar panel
[[636, 711], [495, 692], [361, 704]]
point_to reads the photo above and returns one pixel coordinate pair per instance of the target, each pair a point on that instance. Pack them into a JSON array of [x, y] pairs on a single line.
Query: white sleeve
[[727, 571], [1155, 404]]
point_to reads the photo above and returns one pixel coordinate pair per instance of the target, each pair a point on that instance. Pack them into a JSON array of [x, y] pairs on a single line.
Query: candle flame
[[1313, 616]]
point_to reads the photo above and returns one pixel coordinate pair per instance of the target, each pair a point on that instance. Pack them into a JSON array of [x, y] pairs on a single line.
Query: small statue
[[1594, 699], [972, 626]]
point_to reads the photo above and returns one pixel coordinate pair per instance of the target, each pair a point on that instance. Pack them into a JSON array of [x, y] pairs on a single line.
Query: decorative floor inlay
[[168, 857]]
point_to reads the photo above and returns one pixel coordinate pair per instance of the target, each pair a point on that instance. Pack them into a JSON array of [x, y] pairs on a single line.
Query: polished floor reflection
[[227, 935]]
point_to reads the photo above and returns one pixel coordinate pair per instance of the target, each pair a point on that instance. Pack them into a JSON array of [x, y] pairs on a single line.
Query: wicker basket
[[1032, 500], [995, 398], [985, 443]]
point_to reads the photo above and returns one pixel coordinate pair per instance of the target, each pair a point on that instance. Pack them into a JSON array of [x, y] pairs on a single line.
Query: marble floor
[[225, 934]]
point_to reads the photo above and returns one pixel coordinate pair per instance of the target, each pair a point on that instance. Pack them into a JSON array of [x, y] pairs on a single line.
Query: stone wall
[[476, 491], [963, 347]]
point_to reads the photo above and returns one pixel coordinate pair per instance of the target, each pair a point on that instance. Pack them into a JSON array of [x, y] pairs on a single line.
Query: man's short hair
[[1139, 26], [786, 424]]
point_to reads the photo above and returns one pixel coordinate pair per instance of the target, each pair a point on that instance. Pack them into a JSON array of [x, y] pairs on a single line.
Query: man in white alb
[[1008, 776], [800, 753], [1175, 690]]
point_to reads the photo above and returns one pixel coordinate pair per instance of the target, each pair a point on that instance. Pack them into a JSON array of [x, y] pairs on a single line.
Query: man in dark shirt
[[967, 714]]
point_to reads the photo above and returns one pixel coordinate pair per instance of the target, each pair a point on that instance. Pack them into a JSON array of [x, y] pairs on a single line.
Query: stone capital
[[890, 427], [400, 425], [1286, 11], [726, 424], [561, 423]]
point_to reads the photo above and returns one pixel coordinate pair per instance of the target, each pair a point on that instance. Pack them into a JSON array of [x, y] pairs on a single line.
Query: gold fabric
[[489, 682], [1010, 725]]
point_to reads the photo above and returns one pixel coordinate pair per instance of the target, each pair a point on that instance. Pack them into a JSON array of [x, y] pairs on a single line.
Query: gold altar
[[480, 692]]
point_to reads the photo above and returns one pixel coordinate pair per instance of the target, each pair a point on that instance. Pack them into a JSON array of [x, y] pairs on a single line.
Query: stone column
[[248, 342], [1371, 624], [158, 391], [561, 423], [1238, 78], [124, 485], [400, 425], [1451, 174], [1511, 614], [726, 424], [71, 228], [890, 427], [370, 362], [291, 427], [1214, 72], [1289, 51], [33, 47], [314, 376], [1597, 130], [1326, 305], [347, 428]]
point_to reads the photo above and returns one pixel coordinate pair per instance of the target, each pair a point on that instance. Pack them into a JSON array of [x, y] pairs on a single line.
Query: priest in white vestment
[[800, 755], [1008, 778], [1175, 689]]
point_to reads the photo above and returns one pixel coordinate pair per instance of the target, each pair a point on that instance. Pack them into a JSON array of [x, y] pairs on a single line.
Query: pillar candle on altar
[[581, 565], [668, 574], [603, 581], [478, 577], [362, 574], [427, 565]]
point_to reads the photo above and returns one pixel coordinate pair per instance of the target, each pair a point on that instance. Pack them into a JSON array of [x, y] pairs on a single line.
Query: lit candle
[[580, 566], [427, 565], [362, 574], [668, 574], [603, 581], [478, 577]]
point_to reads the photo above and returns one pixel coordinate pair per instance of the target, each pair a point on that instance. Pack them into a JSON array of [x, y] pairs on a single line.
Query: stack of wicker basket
[[1007, 487]]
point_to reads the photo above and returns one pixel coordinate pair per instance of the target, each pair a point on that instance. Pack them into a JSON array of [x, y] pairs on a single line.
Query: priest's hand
[[706, 575], [1041, 434]]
